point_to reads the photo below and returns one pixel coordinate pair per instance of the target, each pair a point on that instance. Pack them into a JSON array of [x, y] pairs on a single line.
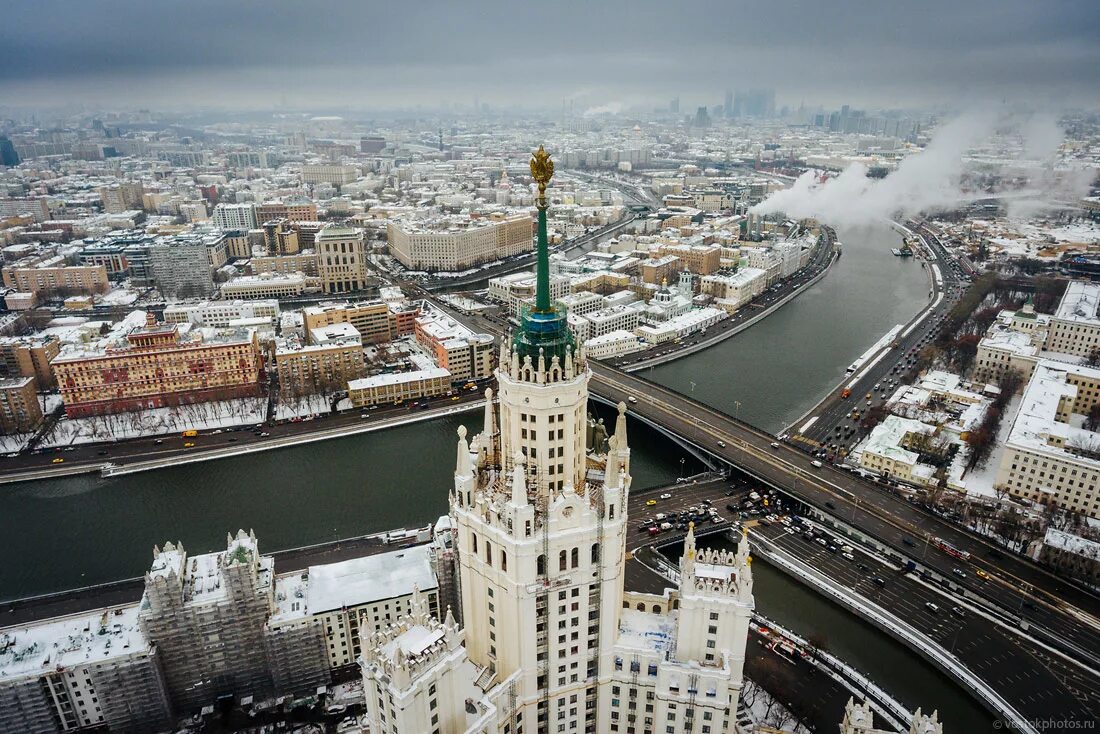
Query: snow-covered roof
[[885, 440], [1081, 303], [646, 631], [1072, 544], [1037, 424], [77, 640], [369, 579]]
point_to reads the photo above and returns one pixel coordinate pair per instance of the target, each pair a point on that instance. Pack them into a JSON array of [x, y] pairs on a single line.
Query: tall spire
[[543, 328], [542, 168]]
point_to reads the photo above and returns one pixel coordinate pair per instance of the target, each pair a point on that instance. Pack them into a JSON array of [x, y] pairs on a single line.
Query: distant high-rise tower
[[8, 156], [674, 106], [727, 108]]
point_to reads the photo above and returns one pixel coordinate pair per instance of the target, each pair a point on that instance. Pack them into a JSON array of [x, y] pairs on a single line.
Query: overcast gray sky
[[369, 54]]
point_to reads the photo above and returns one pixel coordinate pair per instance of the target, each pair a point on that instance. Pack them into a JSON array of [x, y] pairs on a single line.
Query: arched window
[[503, 561], [656, 608], [540, 565], [489, 553], [575, 557], [641, 607], [675, 603], [595, 552], [473, 542], [561, 561]]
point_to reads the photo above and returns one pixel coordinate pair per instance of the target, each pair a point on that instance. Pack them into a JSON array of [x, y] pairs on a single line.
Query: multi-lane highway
[[1040, 685], [830, 429], [1015, 583], [93, 457]]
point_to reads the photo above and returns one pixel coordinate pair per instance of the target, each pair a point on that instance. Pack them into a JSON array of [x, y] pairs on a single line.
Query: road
[[1040, 685], [1015, 583], [829, 427], [92, 457]]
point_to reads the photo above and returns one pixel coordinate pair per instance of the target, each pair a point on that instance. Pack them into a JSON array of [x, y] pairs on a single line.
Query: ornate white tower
[[540, 523]]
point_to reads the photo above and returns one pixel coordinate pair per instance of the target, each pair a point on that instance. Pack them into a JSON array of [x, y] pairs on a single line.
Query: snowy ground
[[157, 421], [1029, 237], [164, 421], [466, 305], [979, 482], [308, 405], [14, 442], [766, 713]]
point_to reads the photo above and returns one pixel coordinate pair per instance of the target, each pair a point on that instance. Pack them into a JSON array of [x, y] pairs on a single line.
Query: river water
[[83, 530]]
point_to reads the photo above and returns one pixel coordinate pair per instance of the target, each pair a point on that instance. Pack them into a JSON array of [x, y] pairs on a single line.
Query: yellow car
[[188, 445], [58, 460], [454, 398], [982, 574], [650, 503]]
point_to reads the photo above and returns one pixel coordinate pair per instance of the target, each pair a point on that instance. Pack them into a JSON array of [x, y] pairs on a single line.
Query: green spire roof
[[544, 326]]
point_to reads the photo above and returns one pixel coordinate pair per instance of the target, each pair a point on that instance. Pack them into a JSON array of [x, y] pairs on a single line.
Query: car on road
[[981, 574], [879, 581], [631, 399], [932, 607], [722, 444], [189, 445], [58, 460], [863, 567], [650, 503], [958, 611], [848, 556], [816, 464], [158, 441], [909, 542], [666, 496], [959, 572], [830, 505], [775, 445]]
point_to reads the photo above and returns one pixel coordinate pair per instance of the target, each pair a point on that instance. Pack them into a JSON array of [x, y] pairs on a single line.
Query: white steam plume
[[933, 178]]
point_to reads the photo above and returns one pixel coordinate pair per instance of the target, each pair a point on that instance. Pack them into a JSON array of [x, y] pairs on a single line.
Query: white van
[[816, 463]]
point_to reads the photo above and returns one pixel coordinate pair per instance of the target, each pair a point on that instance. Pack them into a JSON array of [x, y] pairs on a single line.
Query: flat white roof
[[369, 579], [1081, 303], [59, 643]]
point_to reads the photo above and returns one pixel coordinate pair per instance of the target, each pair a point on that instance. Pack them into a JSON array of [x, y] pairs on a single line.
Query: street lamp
[[736, 409]]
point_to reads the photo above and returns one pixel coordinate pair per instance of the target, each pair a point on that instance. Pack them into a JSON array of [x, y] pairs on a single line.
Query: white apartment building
[[515, 289], [885, 452], [353, 599], [613, 344], [268, 285], [1049, 456], [1013, 342], [1075, 326], [450, 244], [222, 314], [613, 318], [235, 216], [733, 291], [329, 173]]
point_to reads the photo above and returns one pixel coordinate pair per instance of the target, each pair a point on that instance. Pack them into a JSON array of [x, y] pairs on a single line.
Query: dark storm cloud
[[390, 53]]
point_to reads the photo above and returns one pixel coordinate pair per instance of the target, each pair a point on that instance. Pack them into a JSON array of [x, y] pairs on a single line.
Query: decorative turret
[[490, 429], [462, 465]]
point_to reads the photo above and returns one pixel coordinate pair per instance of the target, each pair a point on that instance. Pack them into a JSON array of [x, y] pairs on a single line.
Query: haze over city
[[611, 55]]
